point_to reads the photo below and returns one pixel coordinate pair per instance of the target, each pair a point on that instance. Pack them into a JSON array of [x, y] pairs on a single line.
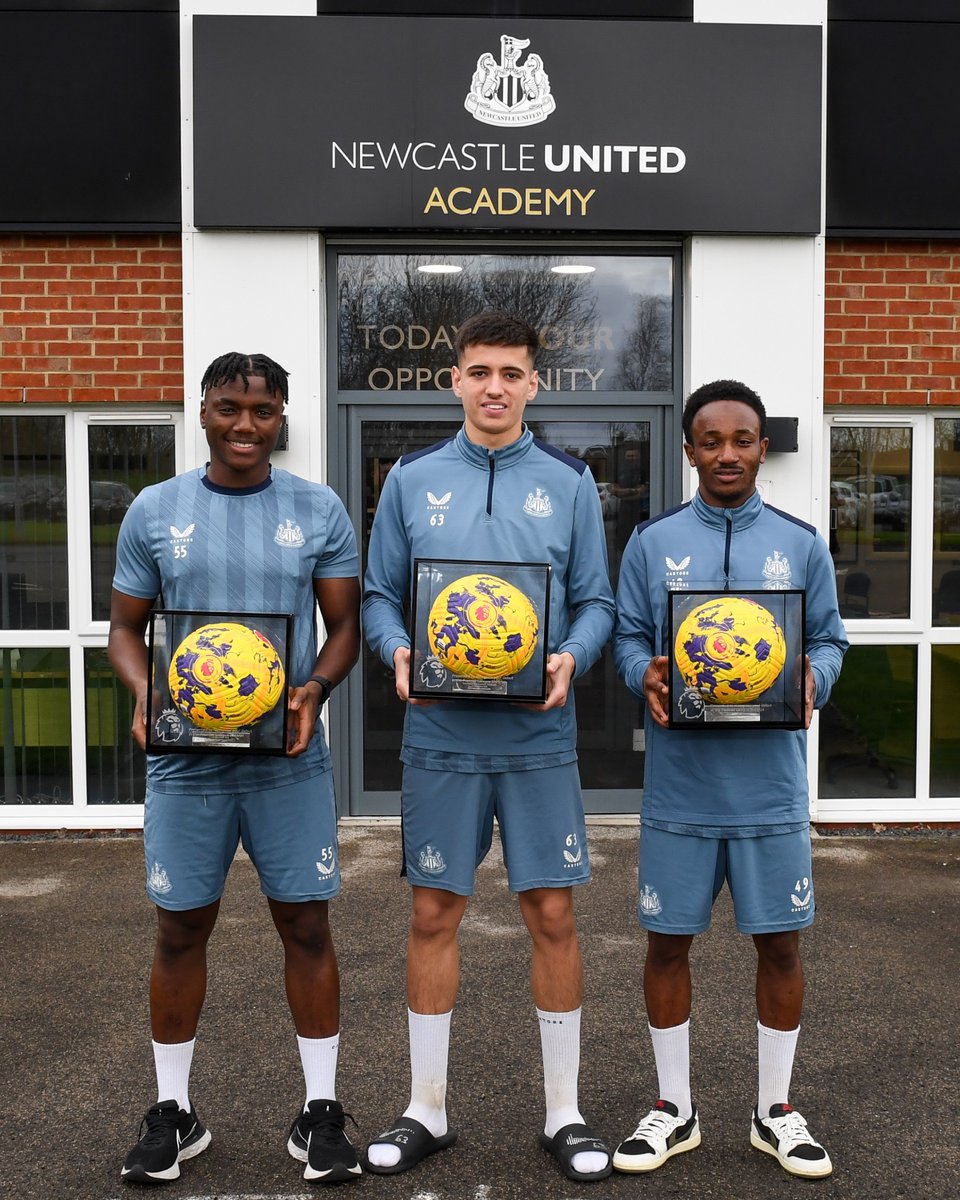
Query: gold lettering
[[503, 194], [459, 191], [435, 201], [507, 201], [558, 200]]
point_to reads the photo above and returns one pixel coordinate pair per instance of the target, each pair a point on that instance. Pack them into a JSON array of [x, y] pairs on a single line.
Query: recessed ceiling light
[[440, 269], [573, 269]]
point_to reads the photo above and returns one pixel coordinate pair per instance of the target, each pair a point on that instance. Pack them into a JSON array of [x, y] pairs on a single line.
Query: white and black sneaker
[[317, 1138], [661, 1134], [784, 1134], [168, 1135]]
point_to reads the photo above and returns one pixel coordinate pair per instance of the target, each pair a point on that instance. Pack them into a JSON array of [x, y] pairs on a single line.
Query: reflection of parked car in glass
[[608, 501], [109, 500], [883, 494], [946, 498], [846, 500], [33, 497]]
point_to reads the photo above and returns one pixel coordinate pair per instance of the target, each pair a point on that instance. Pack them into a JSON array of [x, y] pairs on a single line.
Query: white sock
[[560, 1045], [318, 1057], [173, 1061], [429, 1048], [671, 1051], [775, 1051]]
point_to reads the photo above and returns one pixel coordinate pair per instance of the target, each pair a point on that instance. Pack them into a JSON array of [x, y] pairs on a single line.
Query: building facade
[[338, 188]]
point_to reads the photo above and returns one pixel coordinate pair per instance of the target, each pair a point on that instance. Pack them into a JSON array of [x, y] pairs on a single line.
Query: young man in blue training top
[[730, 805], [506, 497], [240, 536]]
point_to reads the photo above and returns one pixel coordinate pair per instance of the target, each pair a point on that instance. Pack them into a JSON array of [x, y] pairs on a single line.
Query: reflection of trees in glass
[[135, 454], [947, 435], [645, 361], [394, 318]]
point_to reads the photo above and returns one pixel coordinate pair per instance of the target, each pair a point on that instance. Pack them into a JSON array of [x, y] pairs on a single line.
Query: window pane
[[608, 327], [618, 455], [870, 496], [35, 726], [944, 728], [33, 523], [382, 443], [868, 729], [946, 523], [116, 766], [123, 460]]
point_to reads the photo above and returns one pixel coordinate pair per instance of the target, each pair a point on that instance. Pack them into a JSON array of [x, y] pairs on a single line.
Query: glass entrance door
[[609, 395], [619, 453]]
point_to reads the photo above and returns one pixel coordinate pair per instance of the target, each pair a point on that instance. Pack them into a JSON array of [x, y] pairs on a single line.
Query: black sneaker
[[660, 1135], [171, 1135], [785, 1135], [317, 1138]]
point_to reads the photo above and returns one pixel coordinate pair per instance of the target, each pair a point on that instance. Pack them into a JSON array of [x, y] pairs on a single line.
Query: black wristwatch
[[326, 687]]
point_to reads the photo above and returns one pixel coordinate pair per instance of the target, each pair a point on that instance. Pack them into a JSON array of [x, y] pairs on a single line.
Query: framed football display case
[[736, 659], [218, 682], [478, 630]]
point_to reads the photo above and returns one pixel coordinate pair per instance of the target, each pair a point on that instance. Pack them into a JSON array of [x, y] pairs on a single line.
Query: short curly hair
[[721, 389]]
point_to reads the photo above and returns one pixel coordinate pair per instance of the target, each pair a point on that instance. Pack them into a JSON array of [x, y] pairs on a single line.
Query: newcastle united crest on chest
[[510, 92]]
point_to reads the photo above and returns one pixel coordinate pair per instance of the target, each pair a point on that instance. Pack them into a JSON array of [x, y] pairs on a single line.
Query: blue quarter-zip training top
[[526, 502], [733, 782]]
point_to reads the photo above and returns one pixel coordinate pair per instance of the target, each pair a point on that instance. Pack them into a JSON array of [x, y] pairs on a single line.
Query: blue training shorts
[[290, 833], [448, 827], [770, 879]]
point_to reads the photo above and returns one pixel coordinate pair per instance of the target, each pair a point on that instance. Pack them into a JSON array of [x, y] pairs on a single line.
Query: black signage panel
[[471, 124]]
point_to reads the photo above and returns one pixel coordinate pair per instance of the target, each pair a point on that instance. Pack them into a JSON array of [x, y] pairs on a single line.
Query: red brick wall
[[892, 328], [90, 318]]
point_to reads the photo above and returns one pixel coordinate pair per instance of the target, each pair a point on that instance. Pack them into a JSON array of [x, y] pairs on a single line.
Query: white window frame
[[916, 630], [83, 632]]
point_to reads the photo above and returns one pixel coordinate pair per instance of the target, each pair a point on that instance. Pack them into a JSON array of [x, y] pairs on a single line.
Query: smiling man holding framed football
[[507, 497]]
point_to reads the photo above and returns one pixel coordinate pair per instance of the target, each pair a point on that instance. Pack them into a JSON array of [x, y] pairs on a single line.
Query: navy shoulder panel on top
[[792, 519], [415, 454], [670, 512], [577, 464]]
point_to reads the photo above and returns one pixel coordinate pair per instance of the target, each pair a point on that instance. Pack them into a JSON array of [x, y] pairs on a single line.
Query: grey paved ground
[[876, 1069]]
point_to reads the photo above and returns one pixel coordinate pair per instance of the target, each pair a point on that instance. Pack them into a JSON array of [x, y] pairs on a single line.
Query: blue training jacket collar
[[741, 518], [505, 456]]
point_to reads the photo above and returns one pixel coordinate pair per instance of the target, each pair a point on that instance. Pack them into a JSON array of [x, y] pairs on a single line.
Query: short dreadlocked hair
[[227, 367]]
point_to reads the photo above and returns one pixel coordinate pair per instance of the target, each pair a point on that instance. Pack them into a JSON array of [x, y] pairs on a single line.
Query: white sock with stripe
[[560, 1046], [429, 1051]]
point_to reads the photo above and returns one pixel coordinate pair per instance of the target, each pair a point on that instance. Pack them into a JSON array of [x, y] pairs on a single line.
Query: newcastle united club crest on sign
[[510, 92]]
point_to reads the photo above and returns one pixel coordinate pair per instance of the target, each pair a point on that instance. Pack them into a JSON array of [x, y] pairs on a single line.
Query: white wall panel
[[261, 293], [754, 312]]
